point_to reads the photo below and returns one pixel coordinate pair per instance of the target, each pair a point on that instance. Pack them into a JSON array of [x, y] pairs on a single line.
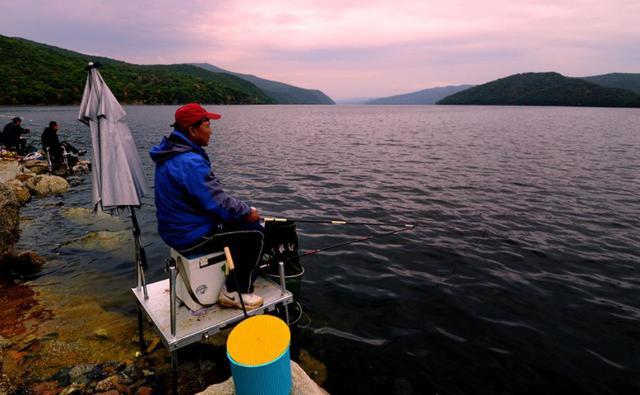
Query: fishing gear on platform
[[334, 222]]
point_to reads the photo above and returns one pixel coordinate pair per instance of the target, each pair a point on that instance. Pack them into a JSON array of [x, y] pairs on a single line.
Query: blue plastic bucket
[[258, 351]]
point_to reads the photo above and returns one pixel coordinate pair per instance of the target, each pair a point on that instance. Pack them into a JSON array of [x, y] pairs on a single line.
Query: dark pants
[[56, 152], [245, 240]]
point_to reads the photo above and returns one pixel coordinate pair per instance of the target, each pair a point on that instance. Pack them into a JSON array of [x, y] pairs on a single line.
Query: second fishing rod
[[334, 222]]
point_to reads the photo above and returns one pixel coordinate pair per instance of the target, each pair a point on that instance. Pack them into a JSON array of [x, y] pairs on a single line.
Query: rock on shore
[[9, 219], [302, 384], [21, 191], [9, 169], [103, 240], [85, 216], [45, 185], [36, 166]]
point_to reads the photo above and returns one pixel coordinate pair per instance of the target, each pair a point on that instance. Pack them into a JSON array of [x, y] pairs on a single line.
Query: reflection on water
[[520, 277]]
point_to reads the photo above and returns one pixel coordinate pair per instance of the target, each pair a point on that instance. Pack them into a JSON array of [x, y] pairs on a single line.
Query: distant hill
[[544, 89], [629, 81], [354, 100], [34, 73], [425, 96], [280, 92]]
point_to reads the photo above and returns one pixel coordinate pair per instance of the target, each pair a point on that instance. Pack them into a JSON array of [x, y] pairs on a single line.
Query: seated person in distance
[[12, 136], [52, 145]]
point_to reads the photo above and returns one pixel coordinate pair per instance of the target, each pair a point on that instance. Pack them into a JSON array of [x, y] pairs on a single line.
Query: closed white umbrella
[[118, 181]]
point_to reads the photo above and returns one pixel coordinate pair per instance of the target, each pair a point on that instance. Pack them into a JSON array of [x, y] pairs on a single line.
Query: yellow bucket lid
[[258, 340]]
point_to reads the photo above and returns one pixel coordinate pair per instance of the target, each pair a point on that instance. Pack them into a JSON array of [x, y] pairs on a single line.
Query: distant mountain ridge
[[544, 89], [281, 92], [354, 100], [629, 81], [425, 96]]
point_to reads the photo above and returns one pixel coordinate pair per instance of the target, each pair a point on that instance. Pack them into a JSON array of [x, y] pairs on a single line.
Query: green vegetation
[[544, 89], [33, 73], [629, 81], [281, 93]]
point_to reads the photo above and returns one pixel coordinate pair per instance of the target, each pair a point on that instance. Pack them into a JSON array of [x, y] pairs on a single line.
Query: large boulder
[[22, 192], [8, 170], [29, 259], [9, 219], [85, 217], [26, 262], [37, 166], [25, 175], [44, 185], [301, 384]]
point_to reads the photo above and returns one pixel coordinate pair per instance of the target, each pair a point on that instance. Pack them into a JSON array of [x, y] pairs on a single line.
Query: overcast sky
[[346, 48]]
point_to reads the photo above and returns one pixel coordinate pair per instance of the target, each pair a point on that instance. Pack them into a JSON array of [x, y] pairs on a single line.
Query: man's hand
[[253, 215]]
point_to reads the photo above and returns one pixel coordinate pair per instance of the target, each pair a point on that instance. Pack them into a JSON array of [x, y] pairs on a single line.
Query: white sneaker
[[230, 299]]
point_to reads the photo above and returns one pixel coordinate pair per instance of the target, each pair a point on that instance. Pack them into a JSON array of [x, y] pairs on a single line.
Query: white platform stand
[[178, 326], [195, 326]]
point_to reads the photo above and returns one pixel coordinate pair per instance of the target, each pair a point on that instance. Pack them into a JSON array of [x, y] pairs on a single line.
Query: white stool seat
[[199, 279]]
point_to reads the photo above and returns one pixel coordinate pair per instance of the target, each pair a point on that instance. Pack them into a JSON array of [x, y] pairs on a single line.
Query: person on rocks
[[195, 215], [12, 136], [52, 145]]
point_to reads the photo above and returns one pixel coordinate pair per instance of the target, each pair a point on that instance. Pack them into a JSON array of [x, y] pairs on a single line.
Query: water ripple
[[525, 257]]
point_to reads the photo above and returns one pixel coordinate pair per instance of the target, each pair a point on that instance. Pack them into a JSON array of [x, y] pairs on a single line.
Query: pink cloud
[[355, 48]]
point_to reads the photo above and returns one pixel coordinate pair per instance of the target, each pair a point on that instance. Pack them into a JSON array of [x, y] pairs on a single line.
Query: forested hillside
[[33, 73], [544, 89], [629, 81]]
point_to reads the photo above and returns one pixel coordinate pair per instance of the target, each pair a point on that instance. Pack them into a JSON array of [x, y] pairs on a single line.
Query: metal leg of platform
[[174, 371], [283, 288], [172, 309], [172, 296], [140, 329]]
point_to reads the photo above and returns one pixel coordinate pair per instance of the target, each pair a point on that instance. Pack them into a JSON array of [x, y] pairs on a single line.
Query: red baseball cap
[[191, 113]]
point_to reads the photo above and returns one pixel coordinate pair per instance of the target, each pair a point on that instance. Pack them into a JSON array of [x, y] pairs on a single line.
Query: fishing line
[[358, 240]]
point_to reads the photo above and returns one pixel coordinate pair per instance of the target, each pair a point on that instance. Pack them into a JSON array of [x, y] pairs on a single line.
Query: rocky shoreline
[[19, 182], [56, 342]]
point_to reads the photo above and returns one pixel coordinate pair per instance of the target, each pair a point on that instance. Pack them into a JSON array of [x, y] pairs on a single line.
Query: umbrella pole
[[141, 256]]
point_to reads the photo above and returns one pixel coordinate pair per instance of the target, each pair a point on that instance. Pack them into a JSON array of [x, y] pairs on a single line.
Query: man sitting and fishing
[[54, 148], [12, 136], [195, 215]]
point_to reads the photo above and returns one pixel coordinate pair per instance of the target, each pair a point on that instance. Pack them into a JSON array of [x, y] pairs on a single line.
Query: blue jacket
[[190, 201]]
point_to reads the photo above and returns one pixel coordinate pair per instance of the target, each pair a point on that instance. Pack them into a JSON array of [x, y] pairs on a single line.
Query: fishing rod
[[334, 222]]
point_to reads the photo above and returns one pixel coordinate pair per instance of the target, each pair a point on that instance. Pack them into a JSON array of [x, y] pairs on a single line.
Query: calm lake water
[[522, 275]]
